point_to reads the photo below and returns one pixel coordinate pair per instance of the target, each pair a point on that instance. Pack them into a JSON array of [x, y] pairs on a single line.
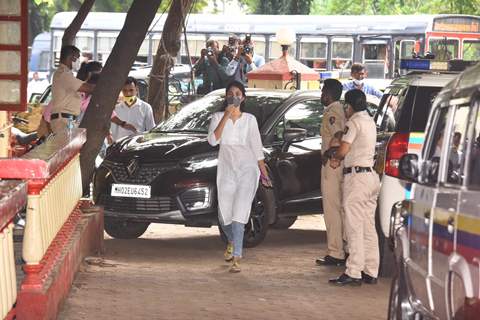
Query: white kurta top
[[237, 172]]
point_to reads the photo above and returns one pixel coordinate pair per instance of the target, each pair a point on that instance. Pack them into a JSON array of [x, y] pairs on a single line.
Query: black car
[[168, 175]]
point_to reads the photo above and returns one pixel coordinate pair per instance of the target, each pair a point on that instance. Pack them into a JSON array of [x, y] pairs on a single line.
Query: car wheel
[[394, 308], [257, 225], [124, 229], [284, 223]]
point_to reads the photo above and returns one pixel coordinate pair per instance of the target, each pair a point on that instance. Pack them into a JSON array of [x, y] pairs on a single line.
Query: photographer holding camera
[[244, 61], [229, 50], [211, 66]]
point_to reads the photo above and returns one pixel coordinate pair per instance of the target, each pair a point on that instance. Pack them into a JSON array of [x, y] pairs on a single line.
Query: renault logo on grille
[[132, 167]]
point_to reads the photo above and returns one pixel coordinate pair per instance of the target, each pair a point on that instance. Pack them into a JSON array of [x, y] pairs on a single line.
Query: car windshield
[[195, 117]]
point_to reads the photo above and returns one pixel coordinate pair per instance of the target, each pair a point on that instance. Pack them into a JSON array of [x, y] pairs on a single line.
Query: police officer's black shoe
[[330, 261], [368, 279], [344, 280]]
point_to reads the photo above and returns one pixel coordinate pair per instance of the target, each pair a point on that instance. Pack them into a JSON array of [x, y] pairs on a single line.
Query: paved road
[[174, 272]]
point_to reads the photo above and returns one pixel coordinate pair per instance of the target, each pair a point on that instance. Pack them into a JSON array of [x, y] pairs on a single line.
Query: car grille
[[135, 205], [144, 174]]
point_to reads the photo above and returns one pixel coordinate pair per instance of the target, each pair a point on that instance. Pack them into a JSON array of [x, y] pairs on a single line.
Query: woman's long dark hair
[[86, 68], [239, 85]]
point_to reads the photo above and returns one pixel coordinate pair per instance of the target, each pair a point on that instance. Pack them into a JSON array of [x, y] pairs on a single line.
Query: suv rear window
[[406, 112]]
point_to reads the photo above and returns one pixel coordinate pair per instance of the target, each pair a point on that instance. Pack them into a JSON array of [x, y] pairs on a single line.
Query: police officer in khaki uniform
[[360, 191], [66, 90], [333, 124]]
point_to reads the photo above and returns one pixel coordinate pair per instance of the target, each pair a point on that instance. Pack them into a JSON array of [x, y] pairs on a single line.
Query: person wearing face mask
[[66, 99], [132, 111], [360, 190], [358, 74], [240, 165]]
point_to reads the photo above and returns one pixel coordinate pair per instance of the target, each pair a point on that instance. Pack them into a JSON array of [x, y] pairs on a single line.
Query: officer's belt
[[356, 169], [63, 115]]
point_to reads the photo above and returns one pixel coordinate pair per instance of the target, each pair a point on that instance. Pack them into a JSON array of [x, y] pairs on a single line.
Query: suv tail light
[[396, 148]]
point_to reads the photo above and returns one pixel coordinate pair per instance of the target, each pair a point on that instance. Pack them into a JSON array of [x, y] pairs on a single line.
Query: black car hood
[[159, 146]]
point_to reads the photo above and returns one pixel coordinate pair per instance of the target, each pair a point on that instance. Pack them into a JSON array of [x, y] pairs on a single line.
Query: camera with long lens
[[247, 46], [247, 49], [209, 51]]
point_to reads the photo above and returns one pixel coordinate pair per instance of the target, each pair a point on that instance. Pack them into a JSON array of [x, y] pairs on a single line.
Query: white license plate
[[130, 191]]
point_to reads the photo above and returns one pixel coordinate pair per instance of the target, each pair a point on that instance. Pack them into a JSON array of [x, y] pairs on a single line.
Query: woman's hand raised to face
[[229, 110]]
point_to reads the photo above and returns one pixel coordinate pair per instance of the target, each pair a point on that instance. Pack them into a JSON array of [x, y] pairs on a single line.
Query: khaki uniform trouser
[[331, 184], [360, 193], [59, 124]]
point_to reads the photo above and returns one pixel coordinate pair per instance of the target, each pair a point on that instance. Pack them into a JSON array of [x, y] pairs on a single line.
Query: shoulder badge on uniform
[[331, 120], [345, 131]]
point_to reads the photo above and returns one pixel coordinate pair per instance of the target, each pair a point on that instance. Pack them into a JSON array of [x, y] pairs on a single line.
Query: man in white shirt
[[132, 111]]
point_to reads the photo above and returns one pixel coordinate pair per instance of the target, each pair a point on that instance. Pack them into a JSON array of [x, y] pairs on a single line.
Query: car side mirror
[[409, 166], [35, 98], [291, 135]]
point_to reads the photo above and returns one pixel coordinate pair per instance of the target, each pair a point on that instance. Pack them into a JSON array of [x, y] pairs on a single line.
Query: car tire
[[394, 302], [124, 229], [284, 223], [257, 225], [399, 307]]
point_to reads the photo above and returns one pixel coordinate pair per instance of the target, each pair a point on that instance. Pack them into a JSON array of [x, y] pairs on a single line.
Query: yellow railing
[[8, 283], [48, 210]]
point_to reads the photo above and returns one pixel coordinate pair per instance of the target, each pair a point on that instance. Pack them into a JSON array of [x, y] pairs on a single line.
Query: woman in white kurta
[[240, 165]]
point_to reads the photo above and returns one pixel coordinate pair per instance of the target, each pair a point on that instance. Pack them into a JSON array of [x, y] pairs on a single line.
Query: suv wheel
[[284, 222], [257, 226], [124, 229], [399, 307]]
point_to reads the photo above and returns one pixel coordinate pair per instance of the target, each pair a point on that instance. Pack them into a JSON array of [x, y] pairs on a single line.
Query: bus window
[[195, 45], [444, 49], [143, 51], [105, 42], [342, 53], [407, 47], [313, 52], [471, 49], [276, 49]]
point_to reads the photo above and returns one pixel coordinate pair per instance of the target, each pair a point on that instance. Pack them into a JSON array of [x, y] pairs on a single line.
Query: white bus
[[322, 42]]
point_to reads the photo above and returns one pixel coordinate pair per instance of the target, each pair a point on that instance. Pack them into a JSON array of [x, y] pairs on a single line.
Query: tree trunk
[[71, 31], [111, 81], [157, 86]]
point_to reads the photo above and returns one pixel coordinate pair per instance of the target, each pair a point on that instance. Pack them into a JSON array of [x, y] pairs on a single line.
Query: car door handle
[[451, 225], [426, 216]]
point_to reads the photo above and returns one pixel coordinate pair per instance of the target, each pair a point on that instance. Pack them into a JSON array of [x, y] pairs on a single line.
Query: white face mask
[[358, 83], [76, 65]]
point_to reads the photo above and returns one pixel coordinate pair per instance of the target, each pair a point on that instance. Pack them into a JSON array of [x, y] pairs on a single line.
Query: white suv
[[401, 119]]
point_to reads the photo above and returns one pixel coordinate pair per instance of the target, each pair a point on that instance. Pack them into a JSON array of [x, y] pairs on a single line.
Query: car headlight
[[201, 161]]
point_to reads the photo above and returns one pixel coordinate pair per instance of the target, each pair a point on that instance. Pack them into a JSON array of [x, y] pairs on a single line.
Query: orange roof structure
[[281, 68]]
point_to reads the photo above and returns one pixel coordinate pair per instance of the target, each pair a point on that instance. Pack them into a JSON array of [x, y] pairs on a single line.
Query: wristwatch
[[123, 123]]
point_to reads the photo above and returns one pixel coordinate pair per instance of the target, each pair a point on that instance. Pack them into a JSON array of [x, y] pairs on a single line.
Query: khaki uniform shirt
[[332, 122], [65, 97], [361, 133]]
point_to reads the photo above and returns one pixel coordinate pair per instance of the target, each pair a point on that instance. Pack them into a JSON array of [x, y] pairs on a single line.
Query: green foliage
[[278, 6], [393, 7], [41, 12]]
